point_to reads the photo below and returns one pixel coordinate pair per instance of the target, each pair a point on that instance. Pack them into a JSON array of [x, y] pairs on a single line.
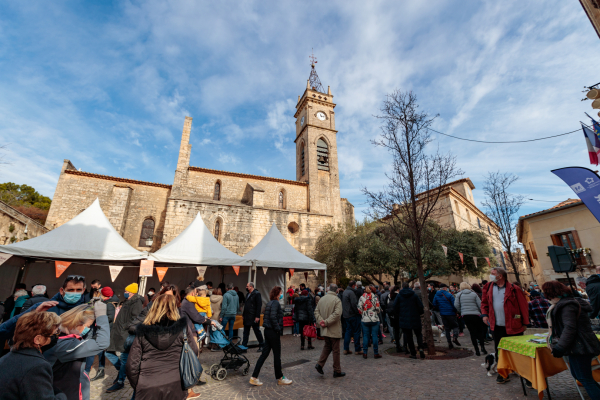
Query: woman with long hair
[[273, 324], [26, 374], [153, 363], [304, 314], [76, 342], [571, 333]]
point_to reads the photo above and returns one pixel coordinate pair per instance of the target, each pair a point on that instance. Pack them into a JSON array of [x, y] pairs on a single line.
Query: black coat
[[408, 309], [571, 326], [38, 298], [129, 311], [252, 307], [153, 362], [593, 290], [304, 310], [273, 318], [26, 375]]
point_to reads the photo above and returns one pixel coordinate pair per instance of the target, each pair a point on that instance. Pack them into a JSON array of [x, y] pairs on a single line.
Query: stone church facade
[[238, 208]]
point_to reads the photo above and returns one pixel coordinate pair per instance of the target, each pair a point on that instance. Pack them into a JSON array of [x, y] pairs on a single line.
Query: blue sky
[[107, 85]]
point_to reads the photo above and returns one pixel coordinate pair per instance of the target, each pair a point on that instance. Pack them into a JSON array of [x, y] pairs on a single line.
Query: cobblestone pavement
[[386, 378]]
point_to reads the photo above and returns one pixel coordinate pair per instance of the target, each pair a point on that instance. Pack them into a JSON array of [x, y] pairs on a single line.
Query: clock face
[[302, 121], [321, 115]]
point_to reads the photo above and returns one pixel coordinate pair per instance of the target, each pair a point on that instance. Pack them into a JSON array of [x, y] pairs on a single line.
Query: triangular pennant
[[146, 267], [291, 272], [236, 269], [462, 261], [506, 256], [445, 250], [114, 271], [4, 257], [306, 276], [60, 267], [201, 271], [265, 270], [317, 272], [160, 272], [488, 261], [475, 261]]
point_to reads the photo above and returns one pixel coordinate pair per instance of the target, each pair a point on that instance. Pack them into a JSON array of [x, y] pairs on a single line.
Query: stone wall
[[16, 226], [126, 203]]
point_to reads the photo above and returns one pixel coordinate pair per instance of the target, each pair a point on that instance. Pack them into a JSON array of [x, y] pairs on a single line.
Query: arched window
[[217, 229], [281, 200], [147, 236], [494, 250], [217, 194], [302, 158], [322, 155]]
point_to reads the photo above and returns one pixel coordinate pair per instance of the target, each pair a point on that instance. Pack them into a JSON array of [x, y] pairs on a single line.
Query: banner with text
[[146, 267], [585, 183], [60, 267]]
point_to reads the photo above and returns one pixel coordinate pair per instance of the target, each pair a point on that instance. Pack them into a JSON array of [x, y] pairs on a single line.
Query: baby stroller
[[233, 358]]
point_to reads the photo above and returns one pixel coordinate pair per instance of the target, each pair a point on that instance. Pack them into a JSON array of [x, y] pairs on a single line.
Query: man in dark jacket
[[408, 309], [9, 303], [251, 316], [352, 318], [444, 300], [38, 296], [132, 306], [592, 288]]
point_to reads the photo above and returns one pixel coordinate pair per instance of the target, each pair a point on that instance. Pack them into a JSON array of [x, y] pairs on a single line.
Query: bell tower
[[316, 147]]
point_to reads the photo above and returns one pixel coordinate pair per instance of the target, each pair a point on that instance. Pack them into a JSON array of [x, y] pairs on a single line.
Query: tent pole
[[142, 288], [325, 280], [250, 272]]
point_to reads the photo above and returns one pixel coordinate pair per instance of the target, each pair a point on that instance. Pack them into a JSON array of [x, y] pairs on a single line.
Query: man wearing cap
[[106, 294], [132, 306]]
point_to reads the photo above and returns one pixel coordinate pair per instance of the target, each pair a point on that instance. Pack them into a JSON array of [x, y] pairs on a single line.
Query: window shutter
[[533, 252], [556, 240], [529, 258]]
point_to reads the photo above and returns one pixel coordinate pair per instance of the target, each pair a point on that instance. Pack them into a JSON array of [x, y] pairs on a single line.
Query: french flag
[[593, 144]]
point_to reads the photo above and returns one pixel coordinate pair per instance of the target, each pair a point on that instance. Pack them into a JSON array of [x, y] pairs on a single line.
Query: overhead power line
[[511, 141]]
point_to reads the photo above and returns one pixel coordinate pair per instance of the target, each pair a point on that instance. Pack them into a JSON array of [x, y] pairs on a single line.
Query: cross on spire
[[314, 81]]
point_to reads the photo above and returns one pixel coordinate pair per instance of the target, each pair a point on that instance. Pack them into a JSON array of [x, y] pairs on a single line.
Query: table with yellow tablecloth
[[532, 361], [239, 321]]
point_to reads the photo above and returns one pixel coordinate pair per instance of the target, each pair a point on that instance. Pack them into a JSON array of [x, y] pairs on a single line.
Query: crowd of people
[[54, 342]]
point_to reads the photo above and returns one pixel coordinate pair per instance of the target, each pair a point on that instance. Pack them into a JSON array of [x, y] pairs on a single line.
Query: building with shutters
[[238, 208], [568, 224]]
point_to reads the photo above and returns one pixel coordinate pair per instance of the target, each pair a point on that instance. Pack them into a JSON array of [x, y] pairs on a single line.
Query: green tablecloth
[[521, 345]]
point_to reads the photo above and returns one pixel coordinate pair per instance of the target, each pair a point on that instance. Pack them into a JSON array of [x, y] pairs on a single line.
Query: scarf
[[553, 303]]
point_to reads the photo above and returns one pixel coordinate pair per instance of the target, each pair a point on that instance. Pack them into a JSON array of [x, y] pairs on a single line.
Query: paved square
[[387, 378]]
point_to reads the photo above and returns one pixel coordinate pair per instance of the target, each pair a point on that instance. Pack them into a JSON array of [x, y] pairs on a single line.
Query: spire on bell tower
[[314, 82]]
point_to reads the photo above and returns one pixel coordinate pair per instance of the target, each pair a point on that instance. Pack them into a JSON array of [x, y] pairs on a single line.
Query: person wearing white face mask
[[74, 345], [504, 308]]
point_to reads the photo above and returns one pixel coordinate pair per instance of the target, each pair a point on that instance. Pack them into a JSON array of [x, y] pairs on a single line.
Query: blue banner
[[585, 183]]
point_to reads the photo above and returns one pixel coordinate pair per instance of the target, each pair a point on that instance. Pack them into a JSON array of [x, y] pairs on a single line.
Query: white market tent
[[88, 241], [197, 246], [274, 251], [88, 236]]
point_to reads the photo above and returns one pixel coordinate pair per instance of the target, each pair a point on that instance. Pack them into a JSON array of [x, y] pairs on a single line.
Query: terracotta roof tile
[[562, 204], [113, 178]]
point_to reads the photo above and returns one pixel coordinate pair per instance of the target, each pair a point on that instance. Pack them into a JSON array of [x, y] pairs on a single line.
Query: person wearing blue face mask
[[70, 295], [75, 343]]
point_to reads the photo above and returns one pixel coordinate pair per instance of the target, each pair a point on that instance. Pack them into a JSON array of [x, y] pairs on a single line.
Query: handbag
[[190, 368], [309, 331]]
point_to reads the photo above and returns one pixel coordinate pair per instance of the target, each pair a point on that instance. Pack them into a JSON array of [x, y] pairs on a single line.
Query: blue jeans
[[119, 362], [370, 331], [352, 330], [89, 361], [231, 320], [581, 369], [389, 325], [296, 329]]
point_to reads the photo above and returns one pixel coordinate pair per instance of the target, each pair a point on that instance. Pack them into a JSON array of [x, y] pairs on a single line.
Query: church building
[[238, 208]]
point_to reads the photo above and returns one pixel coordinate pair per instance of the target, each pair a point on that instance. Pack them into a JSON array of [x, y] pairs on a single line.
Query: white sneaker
[[255, 382], [284, 381]]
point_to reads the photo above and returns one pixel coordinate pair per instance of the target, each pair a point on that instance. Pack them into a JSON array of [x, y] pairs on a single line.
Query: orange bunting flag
[[462, 261], [506, 256], [161, 271], [291, 272], [60, 267], [236, 269], [306, 276], [488, 261]]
